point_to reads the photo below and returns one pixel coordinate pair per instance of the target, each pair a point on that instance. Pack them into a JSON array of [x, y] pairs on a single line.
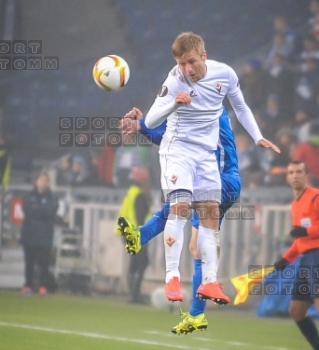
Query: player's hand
[[267, 144], [298, 231], [129, 126], [134, 113], [281, 264], [183, 98]]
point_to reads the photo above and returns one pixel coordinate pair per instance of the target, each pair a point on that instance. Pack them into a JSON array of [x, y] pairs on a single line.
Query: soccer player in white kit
[[191, 100]]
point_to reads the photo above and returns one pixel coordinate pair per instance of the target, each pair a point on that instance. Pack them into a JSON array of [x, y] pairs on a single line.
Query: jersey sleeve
[[155, 135], [313, 230], [242, 111], [233, 82], [164, 104]]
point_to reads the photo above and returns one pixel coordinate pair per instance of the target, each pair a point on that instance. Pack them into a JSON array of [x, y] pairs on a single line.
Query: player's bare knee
[[181, 209], [297, 312], [208, 210]]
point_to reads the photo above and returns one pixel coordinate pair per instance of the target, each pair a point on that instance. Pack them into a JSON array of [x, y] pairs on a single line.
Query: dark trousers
[[138, 265], [41, 257]]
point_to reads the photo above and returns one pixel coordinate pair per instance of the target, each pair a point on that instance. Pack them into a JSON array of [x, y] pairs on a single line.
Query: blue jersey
[[226, 152]]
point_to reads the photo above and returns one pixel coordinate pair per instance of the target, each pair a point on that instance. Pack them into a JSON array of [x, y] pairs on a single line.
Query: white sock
[[208, 247], [173, 244]]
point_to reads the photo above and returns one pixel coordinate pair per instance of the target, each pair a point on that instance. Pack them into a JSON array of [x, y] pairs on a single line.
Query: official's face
[[297, 177], [193, 65], [43, 183]]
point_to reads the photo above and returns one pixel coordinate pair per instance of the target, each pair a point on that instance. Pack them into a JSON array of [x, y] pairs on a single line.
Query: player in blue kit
[[231, 185]]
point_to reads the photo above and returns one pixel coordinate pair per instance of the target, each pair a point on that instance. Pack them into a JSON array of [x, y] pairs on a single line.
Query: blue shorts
[[306, 283], [231, 187]]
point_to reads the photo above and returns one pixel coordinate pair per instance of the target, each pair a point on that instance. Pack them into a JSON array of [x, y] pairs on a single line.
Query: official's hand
[[183, 98], [134, 113], [281, 264], [129, 126], [298, 231], [268, 144]]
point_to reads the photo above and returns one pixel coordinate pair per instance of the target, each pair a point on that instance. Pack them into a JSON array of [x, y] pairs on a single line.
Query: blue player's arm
[[155, 135]]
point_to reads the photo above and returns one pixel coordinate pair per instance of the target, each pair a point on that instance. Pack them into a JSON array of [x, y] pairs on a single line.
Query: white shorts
[[190, 168]]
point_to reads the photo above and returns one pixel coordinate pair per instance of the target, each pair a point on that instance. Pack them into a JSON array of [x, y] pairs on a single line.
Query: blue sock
[[155, 225], [197, 305]]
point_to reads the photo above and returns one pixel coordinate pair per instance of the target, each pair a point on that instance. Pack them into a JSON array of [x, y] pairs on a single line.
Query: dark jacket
[[39, 214]]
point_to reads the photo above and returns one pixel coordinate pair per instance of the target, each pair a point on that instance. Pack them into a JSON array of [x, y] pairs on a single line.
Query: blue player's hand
[[129, 126], [134, 113]]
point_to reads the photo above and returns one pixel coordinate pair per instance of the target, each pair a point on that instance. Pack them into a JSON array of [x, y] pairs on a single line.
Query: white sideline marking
[[235, 343], [99, 336], [171, 335], [123, 339]]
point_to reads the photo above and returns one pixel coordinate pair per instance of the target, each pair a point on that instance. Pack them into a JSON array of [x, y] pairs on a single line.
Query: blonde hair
[[187, 42]]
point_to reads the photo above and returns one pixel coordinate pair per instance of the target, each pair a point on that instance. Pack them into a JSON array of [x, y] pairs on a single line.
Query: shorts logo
[[170, 241], [163, 91], [218, 87], [174, 178]]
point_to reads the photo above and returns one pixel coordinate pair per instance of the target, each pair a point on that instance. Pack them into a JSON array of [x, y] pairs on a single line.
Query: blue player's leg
[[155, 225], [136, 237], [231, 187], [197, 305]]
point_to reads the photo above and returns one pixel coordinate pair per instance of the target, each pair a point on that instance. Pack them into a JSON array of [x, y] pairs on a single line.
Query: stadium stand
[[142, 32]]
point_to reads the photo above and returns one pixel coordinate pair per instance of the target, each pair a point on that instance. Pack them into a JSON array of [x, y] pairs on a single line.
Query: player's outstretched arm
[[245, 115]]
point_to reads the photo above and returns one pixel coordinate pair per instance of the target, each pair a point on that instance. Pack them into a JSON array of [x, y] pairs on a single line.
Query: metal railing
[[250, 234]]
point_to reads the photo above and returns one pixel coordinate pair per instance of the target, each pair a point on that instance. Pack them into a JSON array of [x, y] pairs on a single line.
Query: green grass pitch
[[63, 322]]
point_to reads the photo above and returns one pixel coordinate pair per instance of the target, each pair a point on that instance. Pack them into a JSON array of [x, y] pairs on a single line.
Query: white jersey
[[198, 123]]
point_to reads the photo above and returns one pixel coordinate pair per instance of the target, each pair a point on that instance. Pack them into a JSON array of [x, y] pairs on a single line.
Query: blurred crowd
[[110, 166], [282, 89]]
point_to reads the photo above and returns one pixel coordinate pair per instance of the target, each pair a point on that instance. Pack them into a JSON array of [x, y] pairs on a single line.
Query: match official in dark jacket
[[40, 208]]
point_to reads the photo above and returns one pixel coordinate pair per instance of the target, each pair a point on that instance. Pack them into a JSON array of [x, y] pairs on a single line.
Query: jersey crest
[[218, 87]]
